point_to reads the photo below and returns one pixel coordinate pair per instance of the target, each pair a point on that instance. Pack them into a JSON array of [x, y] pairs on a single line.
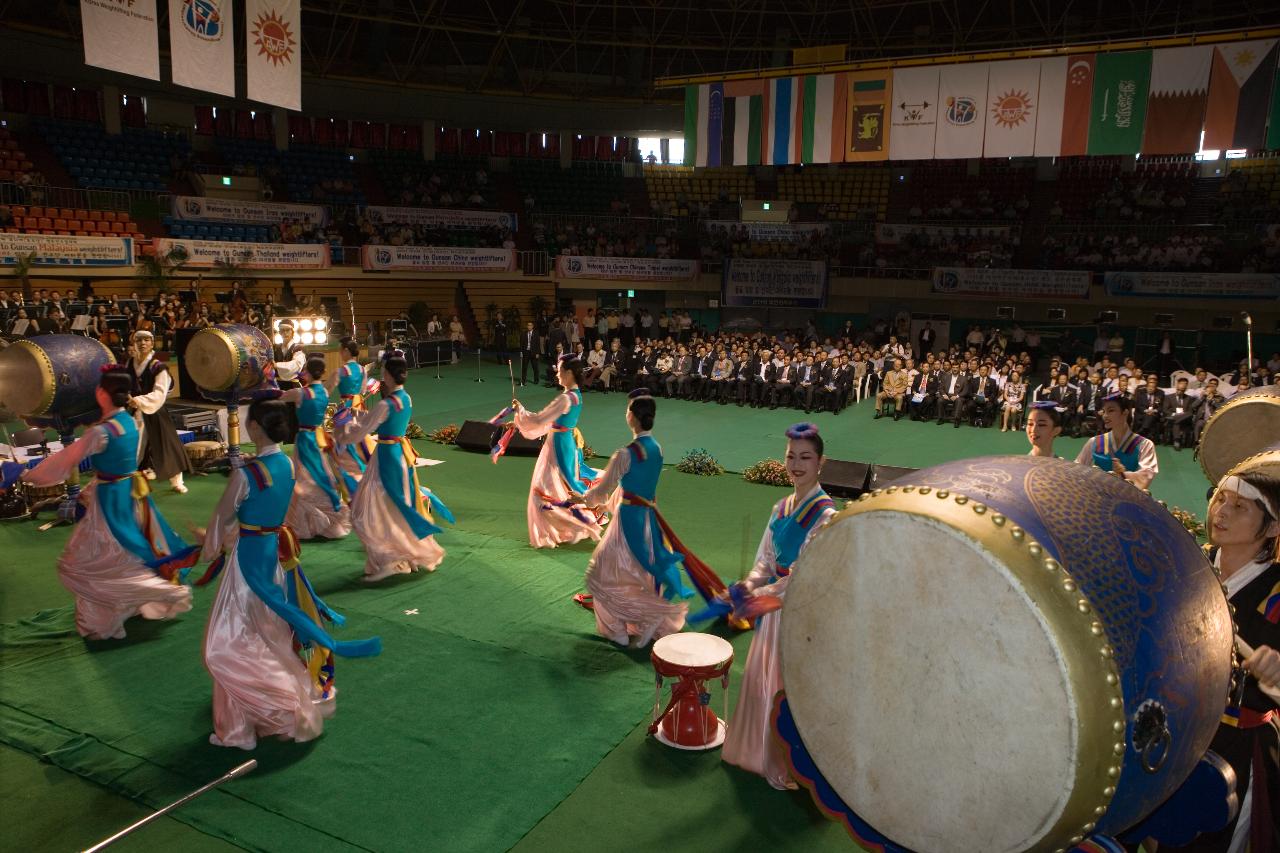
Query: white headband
[[142, 333], [1245, 489]]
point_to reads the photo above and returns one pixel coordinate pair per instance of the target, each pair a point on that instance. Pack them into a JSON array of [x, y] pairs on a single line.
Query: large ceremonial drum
[[50, 380], [1243, 426], [229, 356], [1001, 654]]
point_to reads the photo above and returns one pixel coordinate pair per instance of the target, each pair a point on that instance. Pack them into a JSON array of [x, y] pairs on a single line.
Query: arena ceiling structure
[[617, 49]]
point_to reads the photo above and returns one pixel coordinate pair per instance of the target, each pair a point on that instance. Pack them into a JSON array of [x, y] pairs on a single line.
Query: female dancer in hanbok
[[561, 471], [323, 490], [1244, 530], [123, 559], [1119, 450], [749, 743], [349, 382], [391, 512], [632, 561], [270, 659], [1044, 424]]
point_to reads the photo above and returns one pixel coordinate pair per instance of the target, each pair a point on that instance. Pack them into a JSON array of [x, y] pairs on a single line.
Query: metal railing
[[69, 197]]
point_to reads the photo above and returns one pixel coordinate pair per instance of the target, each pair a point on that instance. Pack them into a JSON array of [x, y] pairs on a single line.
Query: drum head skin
[[692, 649], [212, 360], [1246, 424], [945, 733], [26, 379]]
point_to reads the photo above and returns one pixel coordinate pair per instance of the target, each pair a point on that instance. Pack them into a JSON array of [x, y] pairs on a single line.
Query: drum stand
[[234, 459]]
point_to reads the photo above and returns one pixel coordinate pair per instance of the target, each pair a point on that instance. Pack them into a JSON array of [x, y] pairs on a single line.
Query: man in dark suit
[[755, 378], [530, 348], [691, 385], [986, 393], [1207, 405], [808, 377], [951, 385], [927, 337], [681, 367], [1176, 413], [1148, 406], [782, 391], [923, 393]]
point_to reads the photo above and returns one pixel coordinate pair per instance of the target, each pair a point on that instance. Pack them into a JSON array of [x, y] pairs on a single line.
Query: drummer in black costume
[[160, 450], [290, 359], [1244, 530]]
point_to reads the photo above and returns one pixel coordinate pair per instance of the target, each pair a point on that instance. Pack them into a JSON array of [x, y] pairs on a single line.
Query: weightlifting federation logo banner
[[273, 60], [121, 35], [201, 36]]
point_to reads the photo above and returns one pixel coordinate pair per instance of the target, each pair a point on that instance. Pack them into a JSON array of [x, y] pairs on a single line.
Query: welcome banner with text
[[749, 282], [203, 209], [205, 254], [1011, 284], [769, 232], [441, 217], [636, 269], [50, 250], [1198, 285], [437, 259]]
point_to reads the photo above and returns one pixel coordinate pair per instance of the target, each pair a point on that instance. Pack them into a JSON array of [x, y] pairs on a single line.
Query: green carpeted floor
[[494, 718]]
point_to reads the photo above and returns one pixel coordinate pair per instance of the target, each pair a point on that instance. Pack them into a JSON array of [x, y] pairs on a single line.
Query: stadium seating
[[1251, 191], [13, 161], [671, 188], [64, 221], [305, 172], [136, 159], [847, 192], [445, 182], [589, 187], [233, 232]]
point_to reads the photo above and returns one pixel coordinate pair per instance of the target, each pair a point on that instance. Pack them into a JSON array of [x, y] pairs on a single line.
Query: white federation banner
[[68, 251], [273, 60], [636, 269], [1012, 107], [121, 35], [749, 282], [201, 209], [770, 232], [915, 113], [1009, 284], [1199, 285], [962, 95], [441, 217], [437, 259], [201, 39], [205, 254]]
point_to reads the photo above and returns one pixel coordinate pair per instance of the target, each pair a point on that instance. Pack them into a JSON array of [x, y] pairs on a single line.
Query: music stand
[[19, 327]]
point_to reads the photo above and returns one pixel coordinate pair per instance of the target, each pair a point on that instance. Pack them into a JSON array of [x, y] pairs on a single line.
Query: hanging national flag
[[273, 62], [740, 140], [201, 43], [1175, 108], [914, 113], [709, 151], [782, 127], [1119, 109], [867, 115], [1013, 104], [1239, 94], [824, 119], [121, 37], [962, 94], [693, 103]]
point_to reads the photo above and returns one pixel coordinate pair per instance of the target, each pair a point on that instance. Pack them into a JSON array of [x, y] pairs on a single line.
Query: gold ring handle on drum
[[1151, 735]]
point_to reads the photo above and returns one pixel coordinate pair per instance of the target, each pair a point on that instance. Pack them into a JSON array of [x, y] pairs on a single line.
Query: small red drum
[[688, 721]]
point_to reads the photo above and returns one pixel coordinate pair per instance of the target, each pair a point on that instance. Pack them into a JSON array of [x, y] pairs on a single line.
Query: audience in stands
[[1101, 250]]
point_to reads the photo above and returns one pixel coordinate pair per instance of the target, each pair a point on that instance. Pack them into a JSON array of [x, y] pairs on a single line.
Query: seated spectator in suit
[[923, 393], [986, 395], [553, 359], [1206, 405], [664, 364], [1176, 413], [951, 385], [722, 378], [809, 375], [646, 367], [680, 371], [784, 382], [755, 379], [893, 387], [1064, 394], [693, 385], [1148, 407], [609, 372], [595, 365]]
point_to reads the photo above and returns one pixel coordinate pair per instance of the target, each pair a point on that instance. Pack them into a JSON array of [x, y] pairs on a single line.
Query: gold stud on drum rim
[[1094, 676]]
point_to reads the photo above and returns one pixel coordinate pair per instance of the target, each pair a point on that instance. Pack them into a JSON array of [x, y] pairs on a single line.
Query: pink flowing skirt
[[311, 513], [390, 546], [260, 685], [626, 604], [750, 742], [110, 584], [551, 527]]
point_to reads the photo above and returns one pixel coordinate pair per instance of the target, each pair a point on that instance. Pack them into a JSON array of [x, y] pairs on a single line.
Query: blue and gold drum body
[[1001, 654], [229, 356], [51, 380]]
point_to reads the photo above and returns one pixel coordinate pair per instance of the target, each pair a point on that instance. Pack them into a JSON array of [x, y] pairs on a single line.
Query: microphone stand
[[438, 357], [478, 379], [1248, 343]]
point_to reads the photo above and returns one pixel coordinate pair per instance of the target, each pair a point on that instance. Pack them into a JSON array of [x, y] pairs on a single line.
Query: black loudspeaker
[[844, 479], [884, 475], [479, 436]]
